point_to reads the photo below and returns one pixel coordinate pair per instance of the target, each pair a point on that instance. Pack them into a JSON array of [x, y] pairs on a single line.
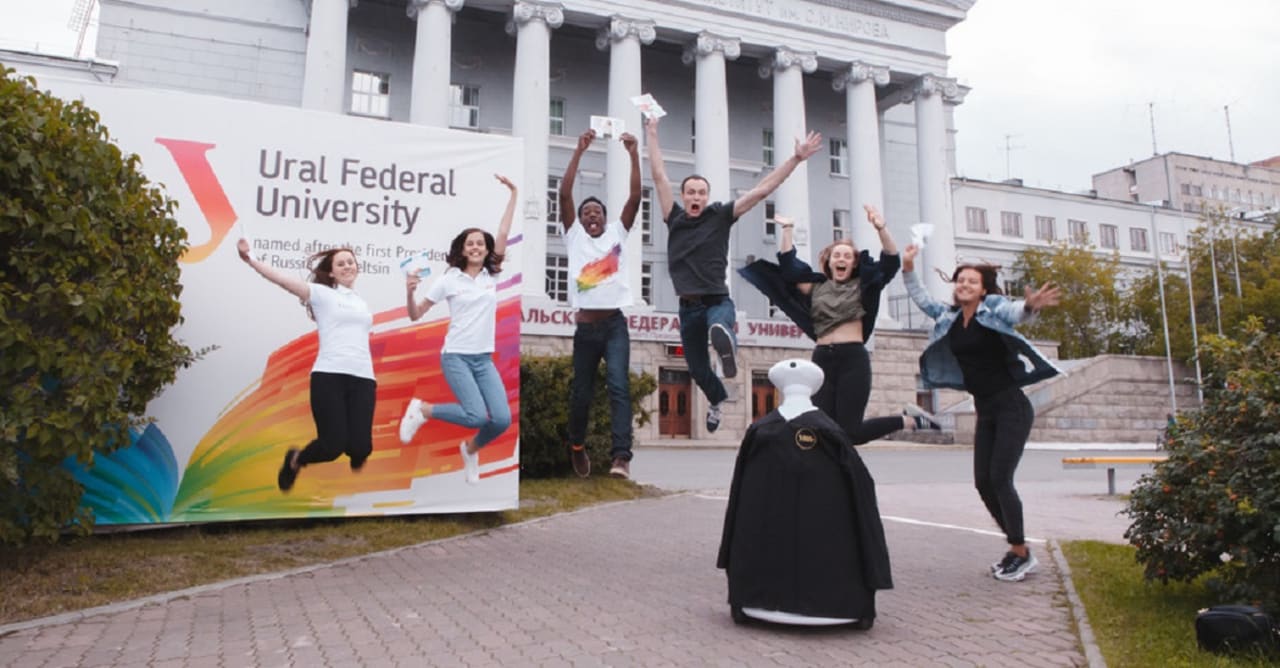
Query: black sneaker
[[722, 342], [287, 475], [922, 418], [1017, 568], [713, 417], [581, 461], [998, 565]]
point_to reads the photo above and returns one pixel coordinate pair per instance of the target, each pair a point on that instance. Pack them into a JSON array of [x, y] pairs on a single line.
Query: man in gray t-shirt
[[697, 258]]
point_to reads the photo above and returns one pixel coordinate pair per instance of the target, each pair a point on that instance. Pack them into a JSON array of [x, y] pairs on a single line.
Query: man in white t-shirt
[[598, 289]]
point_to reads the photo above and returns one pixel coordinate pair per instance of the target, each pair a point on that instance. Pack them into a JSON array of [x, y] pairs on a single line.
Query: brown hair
[[988, 273], [824, 257], [456, 258], [321, 265]]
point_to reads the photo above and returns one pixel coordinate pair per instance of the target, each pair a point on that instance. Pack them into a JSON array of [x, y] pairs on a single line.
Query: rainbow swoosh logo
[[599, 271]]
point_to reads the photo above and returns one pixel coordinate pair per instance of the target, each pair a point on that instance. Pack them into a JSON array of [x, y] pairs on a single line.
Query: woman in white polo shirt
[[343, 388], [471, 288]]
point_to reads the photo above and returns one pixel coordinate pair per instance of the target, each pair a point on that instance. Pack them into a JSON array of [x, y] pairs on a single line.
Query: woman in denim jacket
[[974, 347]]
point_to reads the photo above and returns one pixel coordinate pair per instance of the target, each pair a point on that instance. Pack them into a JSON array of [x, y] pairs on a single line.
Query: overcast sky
[[1066, 83]]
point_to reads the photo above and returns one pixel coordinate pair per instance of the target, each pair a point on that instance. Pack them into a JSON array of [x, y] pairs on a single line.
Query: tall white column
[[928, 93], [791, 199], [324, 78], [432, 58], [531, 23], [862, 122], [711, 109], [623, 37]]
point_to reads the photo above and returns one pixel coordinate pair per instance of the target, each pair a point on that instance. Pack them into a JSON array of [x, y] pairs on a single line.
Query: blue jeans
[[697, 315], [482, 400], [592, 341]]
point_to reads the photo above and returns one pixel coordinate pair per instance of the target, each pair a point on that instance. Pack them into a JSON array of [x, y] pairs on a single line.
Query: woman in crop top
[[343, 388], [842, 303], [470, 287], [974, 347]]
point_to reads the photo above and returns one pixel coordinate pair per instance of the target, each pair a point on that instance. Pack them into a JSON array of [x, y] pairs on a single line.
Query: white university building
[[740, 81]]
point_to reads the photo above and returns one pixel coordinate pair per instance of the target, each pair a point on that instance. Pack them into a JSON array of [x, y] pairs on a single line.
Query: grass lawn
[[79, 573], [1139, 623]]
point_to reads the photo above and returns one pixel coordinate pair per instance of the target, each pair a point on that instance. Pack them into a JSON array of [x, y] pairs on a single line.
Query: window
[[1197, 190], [646, 215], [1079, 231], [1014, 287], [839, 151], [1011, 224], [553, 205], [1044, 228], [558, 278], [1138, 239], [464, 106], [1186, 188], [839, 224], [557, 116], [770, 227], [766, 146], [975, 219], [1108, 236], [1168, 243], [646, 282], [1215, 193], [371, 94]]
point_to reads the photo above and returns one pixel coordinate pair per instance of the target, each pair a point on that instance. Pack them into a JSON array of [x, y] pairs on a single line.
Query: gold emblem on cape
[[806, 439]]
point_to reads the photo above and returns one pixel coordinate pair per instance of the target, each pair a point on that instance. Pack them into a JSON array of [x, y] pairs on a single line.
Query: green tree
[[1091, 318], [88, 301], [1214, 505]]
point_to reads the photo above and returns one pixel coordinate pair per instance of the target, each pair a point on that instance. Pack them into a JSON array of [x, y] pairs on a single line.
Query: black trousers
[[846, 389], [1004, 422], [342, 406]]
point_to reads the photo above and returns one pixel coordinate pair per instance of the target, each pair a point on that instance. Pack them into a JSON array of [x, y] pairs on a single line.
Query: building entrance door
[[764, 396], [675, 392]]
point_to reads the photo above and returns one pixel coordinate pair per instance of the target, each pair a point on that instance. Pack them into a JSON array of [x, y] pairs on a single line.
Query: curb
[[1092, 653]]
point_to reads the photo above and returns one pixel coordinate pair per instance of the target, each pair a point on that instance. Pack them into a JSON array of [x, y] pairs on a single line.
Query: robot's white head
[[800, 372]]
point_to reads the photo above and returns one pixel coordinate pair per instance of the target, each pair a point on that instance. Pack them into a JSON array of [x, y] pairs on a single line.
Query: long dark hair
[[321, 265], [456, 258]]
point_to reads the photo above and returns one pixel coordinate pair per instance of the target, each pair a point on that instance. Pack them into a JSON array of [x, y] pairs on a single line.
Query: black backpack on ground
[[1236, 628]]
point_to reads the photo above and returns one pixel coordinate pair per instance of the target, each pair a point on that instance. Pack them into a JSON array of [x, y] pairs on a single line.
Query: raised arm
[[296, 286], [1014, 311], [629, 209], [915, 288], [657, 169], [887, 244], [416, 309], [504, 227], [567, 212], [788, 233], [787, 245], [771, 181]]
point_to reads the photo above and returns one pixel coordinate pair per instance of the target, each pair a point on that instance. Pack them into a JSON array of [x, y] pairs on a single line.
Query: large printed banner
[[296, 182]]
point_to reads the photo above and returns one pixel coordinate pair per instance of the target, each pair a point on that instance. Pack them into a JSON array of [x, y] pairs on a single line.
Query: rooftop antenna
[[1151, 112], [1231, 147], [81, 12], [1008, 151]]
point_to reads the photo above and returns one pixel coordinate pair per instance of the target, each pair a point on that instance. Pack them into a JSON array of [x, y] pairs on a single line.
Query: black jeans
[[846, 388], [1003, 424], [609, 340], [342, 407]]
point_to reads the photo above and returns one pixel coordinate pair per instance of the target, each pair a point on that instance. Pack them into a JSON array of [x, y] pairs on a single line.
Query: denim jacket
[[939, 367]]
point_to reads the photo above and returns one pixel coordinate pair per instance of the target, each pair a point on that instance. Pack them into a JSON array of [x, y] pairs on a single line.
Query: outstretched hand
[[411, 281], [505, 181], [651, 126], [242, 247], [1046, 296], [805, 149], [909, 257], [630, 143], [873, 216], [585, 139]]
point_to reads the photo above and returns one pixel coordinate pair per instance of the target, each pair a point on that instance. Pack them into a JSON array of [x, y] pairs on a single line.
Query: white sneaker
[[470, 464], [413, 420], [714, 415]]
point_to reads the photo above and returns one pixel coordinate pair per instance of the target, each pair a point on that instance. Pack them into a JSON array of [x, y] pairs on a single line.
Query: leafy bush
[[1214, 505], [88, 300], [544, 416]]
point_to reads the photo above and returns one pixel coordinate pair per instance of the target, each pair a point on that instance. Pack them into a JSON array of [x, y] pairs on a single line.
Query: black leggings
[[846, 388], [342, 406], [1003, 425]]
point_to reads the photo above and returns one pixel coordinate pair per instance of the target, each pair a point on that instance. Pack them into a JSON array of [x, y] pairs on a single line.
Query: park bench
[[1111, 464]]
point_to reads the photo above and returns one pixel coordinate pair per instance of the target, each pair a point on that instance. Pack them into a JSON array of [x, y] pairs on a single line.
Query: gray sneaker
[[1017, 568], [922, 418], [722, 342], [713, 417]]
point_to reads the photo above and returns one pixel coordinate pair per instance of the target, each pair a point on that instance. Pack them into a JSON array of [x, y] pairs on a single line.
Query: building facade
[[1194, 183]]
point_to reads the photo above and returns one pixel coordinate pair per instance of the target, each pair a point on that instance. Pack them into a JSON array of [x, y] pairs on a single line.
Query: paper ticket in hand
[[607, 127], [416, 264], [920, 233], [648, 106]]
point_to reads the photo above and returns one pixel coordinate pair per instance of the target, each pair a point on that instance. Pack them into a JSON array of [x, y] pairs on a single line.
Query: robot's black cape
[[802, 532]]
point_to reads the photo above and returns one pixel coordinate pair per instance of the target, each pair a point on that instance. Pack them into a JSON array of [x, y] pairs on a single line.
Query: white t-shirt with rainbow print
[[598, 267]]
